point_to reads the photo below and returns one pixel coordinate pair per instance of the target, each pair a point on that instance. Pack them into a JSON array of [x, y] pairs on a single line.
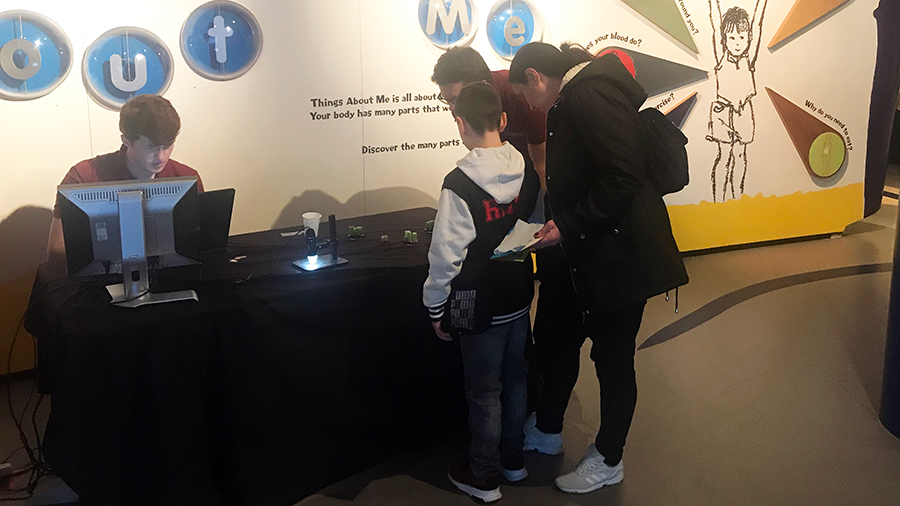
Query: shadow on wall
[[23, 241], [363, 203], [23, 246]]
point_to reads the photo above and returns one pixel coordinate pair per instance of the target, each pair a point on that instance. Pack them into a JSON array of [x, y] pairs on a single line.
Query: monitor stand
[[117, 292], [134, 291]]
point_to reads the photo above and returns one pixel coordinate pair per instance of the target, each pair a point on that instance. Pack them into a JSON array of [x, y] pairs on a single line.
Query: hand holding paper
[[520, 237]]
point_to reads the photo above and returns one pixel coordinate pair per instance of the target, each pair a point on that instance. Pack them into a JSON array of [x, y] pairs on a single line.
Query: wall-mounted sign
[[448, 23], [35, 55], [513, 23], [125, 62], [221, 40]]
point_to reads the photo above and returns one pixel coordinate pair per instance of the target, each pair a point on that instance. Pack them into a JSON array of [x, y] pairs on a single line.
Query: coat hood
[[610, 69], [498, 171]]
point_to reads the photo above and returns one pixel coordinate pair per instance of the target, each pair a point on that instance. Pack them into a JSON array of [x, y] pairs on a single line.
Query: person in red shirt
[[149, 125], [525, 127]]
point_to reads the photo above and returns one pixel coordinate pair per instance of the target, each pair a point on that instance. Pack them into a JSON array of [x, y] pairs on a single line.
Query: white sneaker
[[513, 475], [549, 444], [513, 468], [590, 474]]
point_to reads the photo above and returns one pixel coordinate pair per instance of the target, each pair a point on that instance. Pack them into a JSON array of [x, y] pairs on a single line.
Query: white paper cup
[[312, 220]]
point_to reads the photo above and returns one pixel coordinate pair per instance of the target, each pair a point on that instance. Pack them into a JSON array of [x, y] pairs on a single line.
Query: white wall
[[255, 133]]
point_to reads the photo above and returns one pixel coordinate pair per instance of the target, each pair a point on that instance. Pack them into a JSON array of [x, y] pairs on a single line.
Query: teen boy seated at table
[[485, 303], [149, 125]]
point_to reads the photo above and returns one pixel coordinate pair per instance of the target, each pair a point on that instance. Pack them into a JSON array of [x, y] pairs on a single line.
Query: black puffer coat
[[617, 239]]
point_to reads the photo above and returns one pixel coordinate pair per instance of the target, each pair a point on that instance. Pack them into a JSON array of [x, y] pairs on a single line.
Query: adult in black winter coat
[[609, 244]]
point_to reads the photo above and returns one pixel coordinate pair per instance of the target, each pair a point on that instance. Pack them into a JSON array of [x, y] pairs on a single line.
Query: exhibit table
[[275, 384]]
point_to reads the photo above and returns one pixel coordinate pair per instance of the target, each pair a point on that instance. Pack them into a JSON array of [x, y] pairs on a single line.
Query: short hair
[[546, 59], [480, 105], [735, 18], [152, 116], [460, 65]]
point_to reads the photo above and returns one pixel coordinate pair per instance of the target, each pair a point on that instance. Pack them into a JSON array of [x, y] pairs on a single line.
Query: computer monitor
[[126, 226]]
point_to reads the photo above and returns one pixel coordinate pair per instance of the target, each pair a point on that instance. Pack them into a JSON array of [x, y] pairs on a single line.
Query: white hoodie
[[499, 172]]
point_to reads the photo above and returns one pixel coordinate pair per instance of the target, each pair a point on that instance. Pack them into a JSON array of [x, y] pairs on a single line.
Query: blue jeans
[[497, 394]]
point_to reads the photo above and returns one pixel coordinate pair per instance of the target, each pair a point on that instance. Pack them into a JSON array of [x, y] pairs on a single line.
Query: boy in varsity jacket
[[485, 303]]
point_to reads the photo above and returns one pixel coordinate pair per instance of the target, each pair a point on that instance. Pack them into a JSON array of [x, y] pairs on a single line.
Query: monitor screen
[[93, 235]]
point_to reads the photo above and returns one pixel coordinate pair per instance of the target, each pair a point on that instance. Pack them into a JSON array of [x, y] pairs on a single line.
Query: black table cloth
[[275, 384]]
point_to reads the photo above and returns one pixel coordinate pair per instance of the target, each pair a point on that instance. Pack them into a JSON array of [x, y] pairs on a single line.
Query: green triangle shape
[[665, 15]]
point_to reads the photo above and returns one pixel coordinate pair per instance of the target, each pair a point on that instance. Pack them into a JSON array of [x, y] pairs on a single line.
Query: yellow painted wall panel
[[756, 219]]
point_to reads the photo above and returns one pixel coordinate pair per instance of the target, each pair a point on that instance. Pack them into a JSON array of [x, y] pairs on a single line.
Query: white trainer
[[549, 444], [590, 474], [513, 475]]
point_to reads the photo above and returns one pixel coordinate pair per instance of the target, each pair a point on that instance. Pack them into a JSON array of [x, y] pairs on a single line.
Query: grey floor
[[764, 389]]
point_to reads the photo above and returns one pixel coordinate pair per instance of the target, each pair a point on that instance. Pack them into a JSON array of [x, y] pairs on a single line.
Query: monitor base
[[117, 292]]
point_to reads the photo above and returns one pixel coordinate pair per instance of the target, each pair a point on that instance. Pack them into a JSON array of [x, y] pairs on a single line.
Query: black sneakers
[[487, 489]]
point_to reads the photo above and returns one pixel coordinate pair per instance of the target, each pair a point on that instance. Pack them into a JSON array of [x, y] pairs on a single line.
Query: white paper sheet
[[520, 237]]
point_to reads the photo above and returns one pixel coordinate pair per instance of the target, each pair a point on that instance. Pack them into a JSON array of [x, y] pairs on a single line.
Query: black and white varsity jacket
[[480, 201]]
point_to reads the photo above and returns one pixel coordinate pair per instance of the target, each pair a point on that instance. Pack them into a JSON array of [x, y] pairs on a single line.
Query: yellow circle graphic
[[826, 155]]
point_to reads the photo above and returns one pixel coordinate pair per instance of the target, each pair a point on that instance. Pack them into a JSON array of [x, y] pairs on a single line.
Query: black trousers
[[561, 326]]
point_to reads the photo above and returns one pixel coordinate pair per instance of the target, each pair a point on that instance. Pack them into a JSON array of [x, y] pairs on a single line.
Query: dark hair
[[460, 65], [149, 115], [735, 18], [479, 104], [546, 59]]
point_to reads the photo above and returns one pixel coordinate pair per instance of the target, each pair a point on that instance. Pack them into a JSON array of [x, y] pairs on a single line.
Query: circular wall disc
[[826, 154]]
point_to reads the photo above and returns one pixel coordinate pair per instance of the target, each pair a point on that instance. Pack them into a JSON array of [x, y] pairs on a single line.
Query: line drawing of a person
[[736, 42]]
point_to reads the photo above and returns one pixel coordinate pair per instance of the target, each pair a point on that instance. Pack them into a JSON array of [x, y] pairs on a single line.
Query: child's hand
[[440, 333]]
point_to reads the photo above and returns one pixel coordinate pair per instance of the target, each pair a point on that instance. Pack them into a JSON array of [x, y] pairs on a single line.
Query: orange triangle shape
[[802, 14]]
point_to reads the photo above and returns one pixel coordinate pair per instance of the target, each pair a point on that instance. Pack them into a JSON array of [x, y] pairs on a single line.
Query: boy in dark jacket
[[484, 302]]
